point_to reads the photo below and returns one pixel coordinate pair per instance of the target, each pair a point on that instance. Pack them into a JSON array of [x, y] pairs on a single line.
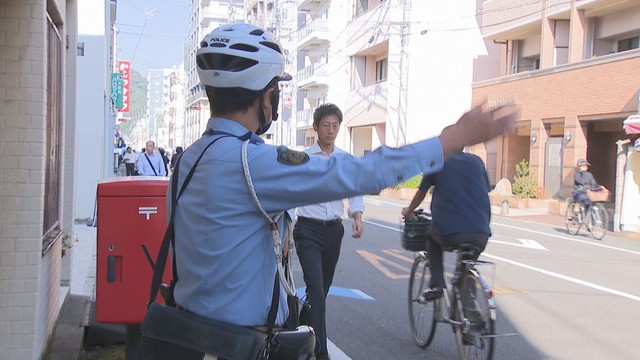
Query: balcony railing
[[315, 73], [367, 105], [304, 118], [313, 33], [309, 5]]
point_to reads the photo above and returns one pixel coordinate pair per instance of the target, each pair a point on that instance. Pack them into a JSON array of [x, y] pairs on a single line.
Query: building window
[[381, 69], [628, 44], [51, 219], [361, 7]]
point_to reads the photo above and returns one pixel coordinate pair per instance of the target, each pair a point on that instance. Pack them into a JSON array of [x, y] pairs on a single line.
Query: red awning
[[632, 124]]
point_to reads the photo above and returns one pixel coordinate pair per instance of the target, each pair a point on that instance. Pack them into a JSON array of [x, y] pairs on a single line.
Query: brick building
[[574, 68]]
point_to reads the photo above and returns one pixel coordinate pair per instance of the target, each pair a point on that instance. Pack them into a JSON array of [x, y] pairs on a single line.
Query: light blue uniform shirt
[[332, 209], [224, 249]]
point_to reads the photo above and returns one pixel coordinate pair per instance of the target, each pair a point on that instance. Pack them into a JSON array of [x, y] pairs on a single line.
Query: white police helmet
[[240, 55]]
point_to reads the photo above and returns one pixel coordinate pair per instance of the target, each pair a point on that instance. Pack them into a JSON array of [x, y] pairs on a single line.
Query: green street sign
[[117, 81]]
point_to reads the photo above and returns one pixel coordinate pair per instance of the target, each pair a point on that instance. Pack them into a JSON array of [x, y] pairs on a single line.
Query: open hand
[[478, 125]]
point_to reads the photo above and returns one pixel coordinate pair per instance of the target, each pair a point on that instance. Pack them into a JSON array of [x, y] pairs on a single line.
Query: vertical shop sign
[[124, 68]]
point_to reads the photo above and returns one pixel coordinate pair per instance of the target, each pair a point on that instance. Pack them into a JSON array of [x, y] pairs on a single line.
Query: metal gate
[[553, 168]]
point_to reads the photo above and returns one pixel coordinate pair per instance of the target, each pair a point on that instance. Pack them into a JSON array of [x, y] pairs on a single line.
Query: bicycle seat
[[467, 250]]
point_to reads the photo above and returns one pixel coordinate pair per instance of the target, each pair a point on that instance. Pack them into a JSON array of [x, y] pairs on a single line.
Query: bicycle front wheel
[[571, 219], [421, 312], [599, 221], [475, 336]]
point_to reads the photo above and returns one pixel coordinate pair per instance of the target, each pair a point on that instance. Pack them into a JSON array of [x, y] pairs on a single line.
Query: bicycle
[[595, 218], [467, 304]]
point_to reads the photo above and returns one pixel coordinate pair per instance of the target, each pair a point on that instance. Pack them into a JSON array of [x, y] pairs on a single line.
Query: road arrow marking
[[342, 292], [378, 262], [525, 243]]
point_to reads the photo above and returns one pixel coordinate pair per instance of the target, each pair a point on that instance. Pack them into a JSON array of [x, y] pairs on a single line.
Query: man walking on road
[[150, 162], [319, 230]]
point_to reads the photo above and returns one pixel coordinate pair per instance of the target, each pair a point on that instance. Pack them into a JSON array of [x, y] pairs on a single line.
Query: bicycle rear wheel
[[421, 312], [475, 336], [572, 220], [598, 221]]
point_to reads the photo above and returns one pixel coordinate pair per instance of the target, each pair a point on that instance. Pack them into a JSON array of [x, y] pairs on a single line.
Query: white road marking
[[382, 226], [525, 243], [565, 277], [377, 202], [568, 238], [335, 352]]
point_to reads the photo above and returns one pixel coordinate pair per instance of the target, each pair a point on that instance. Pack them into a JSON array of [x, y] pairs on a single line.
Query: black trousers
[[318, 248], [130, 168], [438, 242]]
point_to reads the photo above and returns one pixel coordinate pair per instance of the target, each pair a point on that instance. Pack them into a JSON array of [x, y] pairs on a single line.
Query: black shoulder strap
[[152, 168], [169, 238], [169, 235]]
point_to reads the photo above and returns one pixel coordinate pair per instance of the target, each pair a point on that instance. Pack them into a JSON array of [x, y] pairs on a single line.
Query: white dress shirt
[[333, 209]]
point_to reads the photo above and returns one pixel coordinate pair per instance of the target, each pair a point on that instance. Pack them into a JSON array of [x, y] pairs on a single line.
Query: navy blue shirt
[[460, 202]]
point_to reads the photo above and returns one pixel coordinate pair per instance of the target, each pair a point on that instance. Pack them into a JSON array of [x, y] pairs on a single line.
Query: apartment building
[[574, 68], [400, 70]]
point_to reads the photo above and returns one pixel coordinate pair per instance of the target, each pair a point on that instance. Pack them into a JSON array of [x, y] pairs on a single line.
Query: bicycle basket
[[415, 233], [598, 195]]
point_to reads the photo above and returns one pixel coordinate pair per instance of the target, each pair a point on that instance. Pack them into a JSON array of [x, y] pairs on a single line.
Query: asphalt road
[[565, 296]]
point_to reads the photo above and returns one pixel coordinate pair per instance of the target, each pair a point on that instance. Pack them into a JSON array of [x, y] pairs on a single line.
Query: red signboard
[[124, 68]]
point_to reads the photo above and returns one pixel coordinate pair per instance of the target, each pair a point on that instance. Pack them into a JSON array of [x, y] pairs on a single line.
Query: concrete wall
[[94, 162]]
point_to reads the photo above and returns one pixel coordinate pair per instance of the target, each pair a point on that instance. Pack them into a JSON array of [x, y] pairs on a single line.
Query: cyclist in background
[[460, 209], [583, 180]]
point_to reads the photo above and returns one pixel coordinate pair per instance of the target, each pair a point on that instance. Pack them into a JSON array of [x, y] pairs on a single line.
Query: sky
[[152, 33]]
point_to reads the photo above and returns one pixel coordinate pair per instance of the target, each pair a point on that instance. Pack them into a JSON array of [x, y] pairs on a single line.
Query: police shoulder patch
[[291, 157]]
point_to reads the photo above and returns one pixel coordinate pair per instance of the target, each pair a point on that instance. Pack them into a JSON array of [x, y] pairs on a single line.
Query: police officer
[[224, 250]]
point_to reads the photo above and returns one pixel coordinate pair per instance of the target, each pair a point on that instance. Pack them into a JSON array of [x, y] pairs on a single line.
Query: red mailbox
[[132, 212]]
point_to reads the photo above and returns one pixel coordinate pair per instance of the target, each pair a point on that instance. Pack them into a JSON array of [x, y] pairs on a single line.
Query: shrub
[[412, 183], [524, 186]]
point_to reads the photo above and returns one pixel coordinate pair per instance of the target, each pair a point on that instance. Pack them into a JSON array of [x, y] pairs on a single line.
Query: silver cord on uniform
[[287, 281]]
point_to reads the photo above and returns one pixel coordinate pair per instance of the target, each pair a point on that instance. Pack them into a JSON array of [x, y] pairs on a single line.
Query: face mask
[[275, 100]]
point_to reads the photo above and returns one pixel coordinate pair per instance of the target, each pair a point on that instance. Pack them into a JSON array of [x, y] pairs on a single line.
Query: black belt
[[335, 221]]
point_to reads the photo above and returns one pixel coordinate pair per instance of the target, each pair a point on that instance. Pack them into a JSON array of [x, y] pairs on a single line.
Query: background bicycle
[[594, 217]]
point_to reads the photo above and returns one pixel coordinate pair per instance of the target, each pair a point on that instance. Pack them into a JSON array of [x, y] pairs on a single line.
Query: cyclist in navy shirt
[[460, 208]]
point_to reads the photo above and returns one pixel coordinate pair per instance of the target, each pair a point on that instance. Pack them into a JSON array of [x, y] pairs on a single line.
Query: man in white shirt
[[150, 162], [318, 231], [129, 160]]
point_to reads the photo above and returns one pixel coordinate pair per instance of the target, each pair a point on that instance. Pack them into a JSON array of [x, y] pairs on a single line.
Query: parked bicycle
[[467, 302], [594, 217]]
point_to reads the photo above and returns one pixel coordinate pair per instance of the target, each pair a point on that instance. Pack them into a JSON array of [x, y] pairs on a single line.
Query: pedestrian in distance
[[318, 231], [224, 249], [175, 157], [165, 159], [460, 209], [150, 162], [129, 160]]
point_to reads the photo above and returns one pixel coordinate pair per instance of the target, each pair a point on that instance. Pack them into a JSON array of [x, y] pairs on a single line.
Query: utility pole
[[405, 30]]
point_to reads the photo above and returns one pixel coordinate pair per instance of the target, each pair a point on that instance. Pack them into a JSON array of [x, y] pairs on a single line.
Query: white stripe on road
[[335, 352], [568, 238], [565, 277], [382, 226], [377, 202]]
